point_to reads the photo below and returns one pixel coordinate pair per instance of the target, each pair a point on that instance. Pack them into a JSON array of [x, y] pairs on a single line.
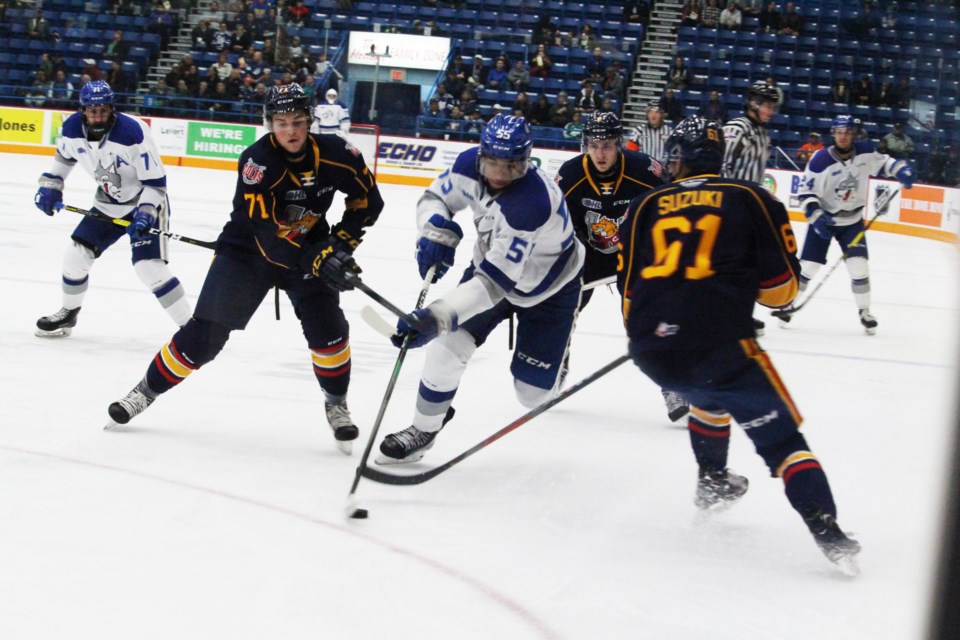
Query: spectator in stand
[[203, 94], [522, 104], [298, 14], [234, 83], [586, 39], [184, 101], [91, 69], [459, 71], [118, 80], [518, 78], [810, 147], [886, 95], [588, 101], [36, 95], [866, 23], [468, 101], [38, 27], [862, 93], [222, 108], [46, 65], [770, 18], [116, 49], [606, 106], [321, 69], [267, 78], [889, 20], [903, 93], [162, 22], [751, 7], [691, 13], [202, 36], [455, 84], [455, 121], [715, 109], [859, 133], [540, 112], [222, 66], [543, 30], [612, 84], [159, 99], [791, 24], [477, 76], [573, 130], [636, 12], [242, 39], [540, 63], [446, 99], [60, 94], [679, 75], [296, 50], [596, 65], [711, 15], [670, 106], [562, 111], [731, 17], [897, 144], [497, 78], [59, 64], [840, 92]]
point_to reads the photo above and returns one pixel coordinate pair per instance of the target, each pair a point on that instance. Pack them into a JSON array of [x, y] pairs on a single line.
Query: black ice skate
[[60, 324], [868, 321], [344, 431], [718, 490], [131, 405], [783, 315], [677, 407], [409, 445], [839, 548], [758, 327]]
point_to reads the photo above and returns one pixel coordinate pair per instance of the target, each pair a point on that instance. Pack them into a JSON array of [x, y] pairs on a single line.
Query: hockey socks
[[709, 437]]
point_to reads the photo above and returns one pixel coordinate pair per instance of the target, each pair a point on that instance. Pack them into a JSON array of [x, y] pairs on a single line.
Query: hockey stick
[[881, 210], [152, 230], [355, 280], [351, 509], [419, 478]]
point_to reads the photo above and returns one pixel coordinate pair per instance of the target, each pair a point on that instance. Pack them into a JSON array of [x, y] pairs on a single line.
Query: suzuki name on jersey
[[672, 202]]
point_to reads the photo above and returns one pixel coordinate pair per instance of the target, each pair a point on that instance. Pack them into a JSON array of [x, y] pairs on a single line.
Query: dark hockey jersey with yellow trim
[[280, 204], [696, 255]]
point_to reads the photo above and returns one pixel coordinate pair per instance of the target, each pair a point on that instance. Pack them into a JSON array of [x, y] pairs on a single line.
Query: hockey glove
[[819, 221], [329, 260], [434, 321], [906, 176], [144, 217], [437, 245], [49, 198]]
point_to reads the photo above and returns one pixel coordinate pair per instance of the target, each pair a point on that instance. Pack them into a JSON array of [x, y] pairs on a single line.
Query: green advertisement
[[214, 140], [56, 124]]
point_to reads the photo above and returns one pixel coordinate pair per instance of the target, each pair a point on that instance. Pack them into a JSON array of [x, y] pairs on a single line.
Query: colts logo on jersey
[[296, 222], [252, 172], [604, 232], [108, 180]]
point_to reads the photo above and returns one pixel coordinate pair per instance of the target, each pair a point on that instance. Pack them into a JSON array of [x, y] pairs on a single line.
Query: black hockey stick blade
[[419, 478], [157, 232]]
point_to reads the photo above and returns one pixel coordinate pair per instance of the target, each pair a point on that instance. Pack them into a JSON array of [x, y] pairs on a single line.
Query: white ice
[[219, 512]]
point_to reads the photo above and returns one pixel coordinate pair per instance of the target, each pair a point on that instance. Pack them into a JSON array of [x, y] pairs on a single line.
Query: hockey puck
[[360, 514]]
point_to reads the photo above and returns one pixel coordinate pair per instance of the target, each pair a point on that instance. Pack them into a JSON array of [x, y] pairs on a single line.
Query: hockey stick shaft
[[587, 286], [355, 280], [427, 280], [152, 230], [419, 478]]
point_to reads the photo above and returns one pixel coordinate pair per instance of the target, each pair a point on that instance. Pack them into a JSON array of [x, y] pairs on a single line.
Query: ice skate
[[758, 327], [677, 407], [129, 406], [344, 431], [783, 315], [59, 324], [719, 490], [409, 445], [868, 321], [839, 548], [564, 371]]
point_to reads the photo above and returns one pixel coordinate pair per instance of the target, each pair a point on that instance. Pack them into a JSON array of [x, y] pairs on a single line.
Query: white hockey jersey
[[525, 249], [331, 118], [840, 187], [125, 164]]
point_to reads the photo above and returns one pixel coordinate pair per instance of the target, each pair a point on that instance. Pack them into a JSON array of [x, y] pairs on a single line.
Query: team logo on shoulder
[[656, 168], [252, 172], [352, 149], [665, 330]]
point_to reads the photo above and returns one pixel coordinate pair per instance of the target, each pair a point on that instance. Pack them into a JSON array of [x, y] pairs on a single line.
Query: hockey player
[[748, 143], [526, 261], [118, 152], [650, 136], [833, 196], [331, 116], [597, 187], [278, 236], [697, 253]]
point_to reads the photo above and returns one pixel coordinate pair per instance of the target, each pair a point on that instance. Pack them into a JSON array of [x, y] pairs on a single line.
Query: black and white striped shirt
[[747, 149], [651, 141]]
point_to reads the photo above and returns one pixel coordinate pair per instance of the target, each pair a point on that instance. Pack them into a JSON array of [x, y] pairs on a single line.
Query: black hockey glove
[[332, 257]]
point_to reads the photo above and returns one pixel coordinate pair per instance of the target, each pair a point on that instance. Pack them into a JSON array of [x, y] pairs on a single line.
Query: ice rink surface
[[218, 513]]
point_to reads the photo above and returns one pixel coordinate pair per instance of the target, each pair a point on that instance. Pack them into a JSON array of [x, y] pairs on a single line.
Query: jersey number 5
[[667, 254]]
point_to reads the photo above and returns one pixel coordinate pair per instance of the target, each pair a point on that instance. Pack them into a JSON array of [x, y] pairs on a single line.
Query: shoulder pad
[[73, 126], [126, 131], [466, 164], [820, 161], [526, 203]]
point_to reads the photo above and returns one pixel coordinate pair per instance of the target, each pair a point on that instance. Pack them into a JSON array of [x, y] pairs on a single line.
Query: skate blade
[[849, 566], [783, 324], [870, 331], [676, 414], [62, 332], [345, 446], [386, 460]]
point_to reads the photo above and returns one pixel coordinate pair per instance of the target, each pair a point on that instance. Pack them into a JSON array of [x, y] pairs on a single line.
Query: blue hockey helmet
[[843, 122], [697, 144], [507, 138], [95, 92]]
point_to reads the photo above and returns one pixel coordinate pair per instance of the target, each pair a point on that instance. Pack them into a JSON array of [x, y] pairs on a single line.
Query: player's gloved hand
[[144, 217], [49, 198], [906, 176], [330, 260], [436, 320], [437, 245], [819, 220]]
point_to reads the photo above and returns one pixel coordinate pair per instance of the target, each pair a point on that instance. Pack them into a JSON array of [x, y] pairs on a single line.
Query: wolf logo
[[108, 180]]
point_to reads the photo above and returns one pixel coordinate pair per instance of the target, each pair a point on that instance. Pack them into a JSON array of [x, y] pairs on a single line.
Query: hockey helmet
[[761, 92], [603, 126], [697, 144], [96, 92], [285, 98], [506, 137], [843, 122]]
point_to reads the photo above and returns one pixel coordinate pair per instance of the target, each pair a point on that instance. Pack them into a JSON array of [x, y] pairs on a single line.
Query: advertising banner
[[21, 125], [405, 52], [215, 140]]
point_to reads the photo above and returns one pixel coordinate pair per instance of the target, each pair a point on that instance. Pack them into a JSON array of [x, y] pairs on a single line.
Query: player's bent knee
[[77, 260], [153, 273], [201, 340], [531, 396], [858, 267]]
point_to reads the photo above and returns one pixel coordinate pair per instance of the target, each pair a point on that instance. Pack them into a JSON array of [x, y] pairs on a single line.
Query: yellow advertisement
[[21, 125]]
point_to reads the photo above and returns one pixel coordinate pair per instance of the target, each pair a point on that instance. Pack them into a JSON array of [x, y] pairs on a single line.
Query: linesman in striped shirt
[[747, 143], [651, 136]]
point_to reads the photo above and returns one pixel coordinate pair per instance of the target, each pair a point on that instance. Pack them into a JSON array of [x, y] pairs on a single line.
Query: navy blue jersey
[[696, 255], [280, 204]]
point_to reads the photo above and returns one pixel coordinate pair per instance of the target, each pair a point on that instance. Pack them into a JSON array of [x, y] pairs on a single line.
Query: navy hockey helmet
[[285, 98], [96, 92], [697, 144], [843, 122], [507, 138], [603, 126]]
